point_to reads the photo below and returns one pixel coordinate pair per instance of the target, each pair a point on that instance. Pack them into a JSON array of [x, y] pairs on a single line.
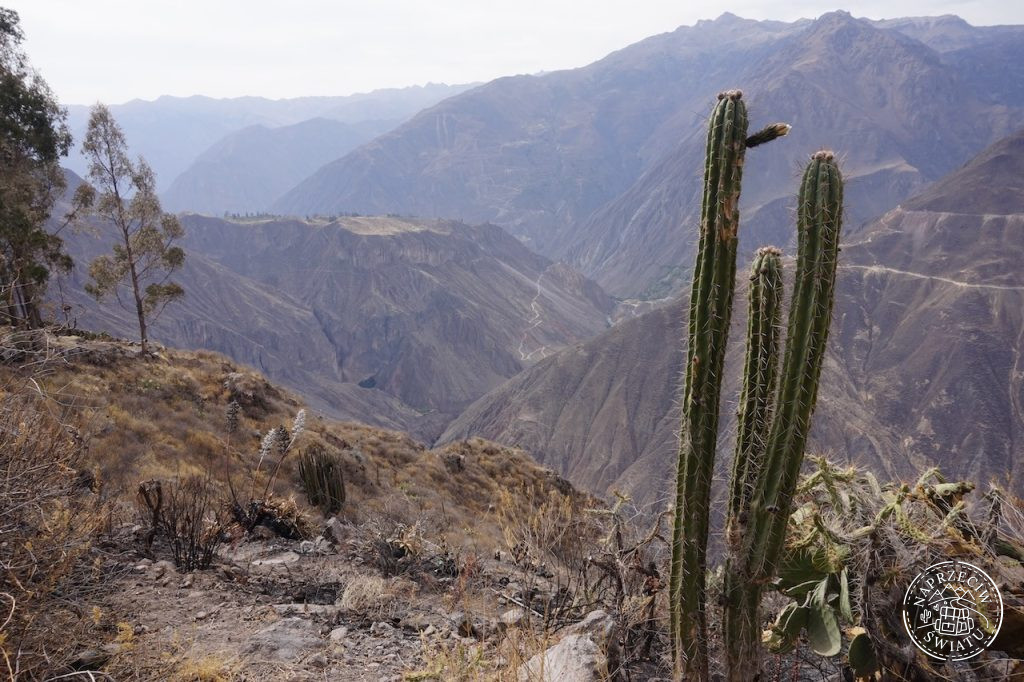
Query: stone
[[162, 568], [598, 625], [513, 618], [338, 634], [285, 640], [574, 659], [381, 628], [299, 608], [288, 557], [336, 531]]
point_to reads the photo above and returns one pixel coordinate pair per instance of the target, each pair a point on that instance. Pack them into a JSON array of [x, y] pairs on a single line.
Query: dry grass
[[165, 419], [376, 598], [49, 517]]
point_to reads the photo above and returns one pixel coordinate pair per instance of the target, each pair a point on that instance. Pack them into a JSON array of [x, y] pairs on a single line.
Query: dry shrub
[[48, 518], [376, 598], [574, 559], [400, 549], [184, 513]]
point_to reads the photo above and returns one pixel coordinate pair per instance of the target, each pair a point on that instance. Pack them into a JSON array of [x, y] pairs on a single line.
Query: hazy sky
[[115, 50]]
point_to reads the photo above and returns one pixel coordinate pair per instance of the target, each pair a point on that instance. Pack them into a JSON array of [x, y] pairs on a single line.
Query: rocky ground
[[276, 609]]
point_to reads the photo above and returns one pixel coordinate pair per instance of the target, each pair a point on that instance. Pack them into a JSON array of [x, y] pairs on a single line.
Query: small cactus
[[323, 480]]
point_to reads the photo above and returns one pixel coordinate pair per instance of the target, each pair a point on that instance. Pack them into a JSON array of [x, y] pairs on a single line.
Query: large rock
[[574, 659]]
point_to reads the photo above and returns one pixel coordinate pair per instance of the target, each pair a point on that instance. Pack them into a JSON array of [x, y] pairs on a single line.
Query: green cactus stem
[[760, 369], [710, 310], [754, 563], [323, 479]]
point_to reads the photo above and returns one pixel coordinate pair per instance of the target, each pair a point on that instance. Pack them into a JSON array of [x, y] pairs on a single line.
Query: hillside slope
[[399, 323], [364, 596], [923, 366]]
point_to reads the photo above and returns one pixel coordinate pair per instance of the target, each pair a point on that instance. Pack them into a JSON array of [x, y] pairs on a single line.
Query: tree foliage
[[33, 137], [122, 194]]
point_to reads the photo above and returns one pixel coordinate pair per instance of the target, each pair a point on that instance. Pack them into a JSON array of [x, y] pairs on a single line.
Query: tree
[[144, 255], [33, 137]]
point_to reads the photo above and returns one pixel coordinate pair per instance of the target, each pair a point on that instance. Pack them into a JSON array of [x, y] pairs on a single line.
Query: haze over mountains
[[245, 171], [170, 132], [924, 365], [430, 324], [597, 165]]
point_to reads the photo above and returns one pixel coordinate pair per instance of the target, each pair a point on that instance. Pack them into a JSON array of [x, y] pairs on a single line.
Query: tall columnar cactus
[[756, 403], [759, 526], [710, 309], [757, 395]]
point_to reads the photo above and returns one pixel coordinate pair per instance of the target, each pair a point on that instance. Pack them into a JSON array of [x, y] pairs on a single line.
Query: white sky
[[116, 50]]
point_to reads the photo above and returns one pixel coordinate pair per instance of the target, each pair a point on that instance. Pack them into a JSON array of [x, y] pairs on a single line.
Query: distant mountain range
[[446, 325], [245, 171], [597, 165], [171, 132], [924, 365]]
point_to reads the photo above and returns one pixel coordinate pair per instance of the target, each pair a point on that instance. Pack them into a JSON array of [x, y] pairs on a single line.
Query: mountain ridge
[[594, 165], [921, 369]]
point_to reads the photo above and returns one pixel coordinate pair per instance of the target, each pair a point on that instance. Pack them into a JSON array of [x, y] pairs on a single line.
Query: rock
[[418, 621], [381, 628], [262, 533], [95, 659], [464, 626], [162, 568], [278, 559], [187, 582], [336, 531], [598, 625], [513, 618], [575, 659], [338, 634], [285, 640], [297, 608]]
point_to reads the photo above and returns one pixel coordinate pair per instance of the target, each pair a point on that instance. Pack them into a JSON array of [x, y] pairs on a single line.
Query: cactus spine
[[710, 309], [757, 524]]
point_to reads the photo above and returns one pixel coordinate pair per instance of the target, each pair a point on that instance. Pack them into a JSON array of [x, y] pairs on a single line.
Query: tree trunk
[[139, 309]]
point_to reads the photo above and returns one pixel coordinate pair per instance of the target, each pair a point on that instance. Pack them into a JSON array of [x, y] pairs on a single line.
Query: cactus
[[760, 368], [322, 479], [710, 309], [758, 523]]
